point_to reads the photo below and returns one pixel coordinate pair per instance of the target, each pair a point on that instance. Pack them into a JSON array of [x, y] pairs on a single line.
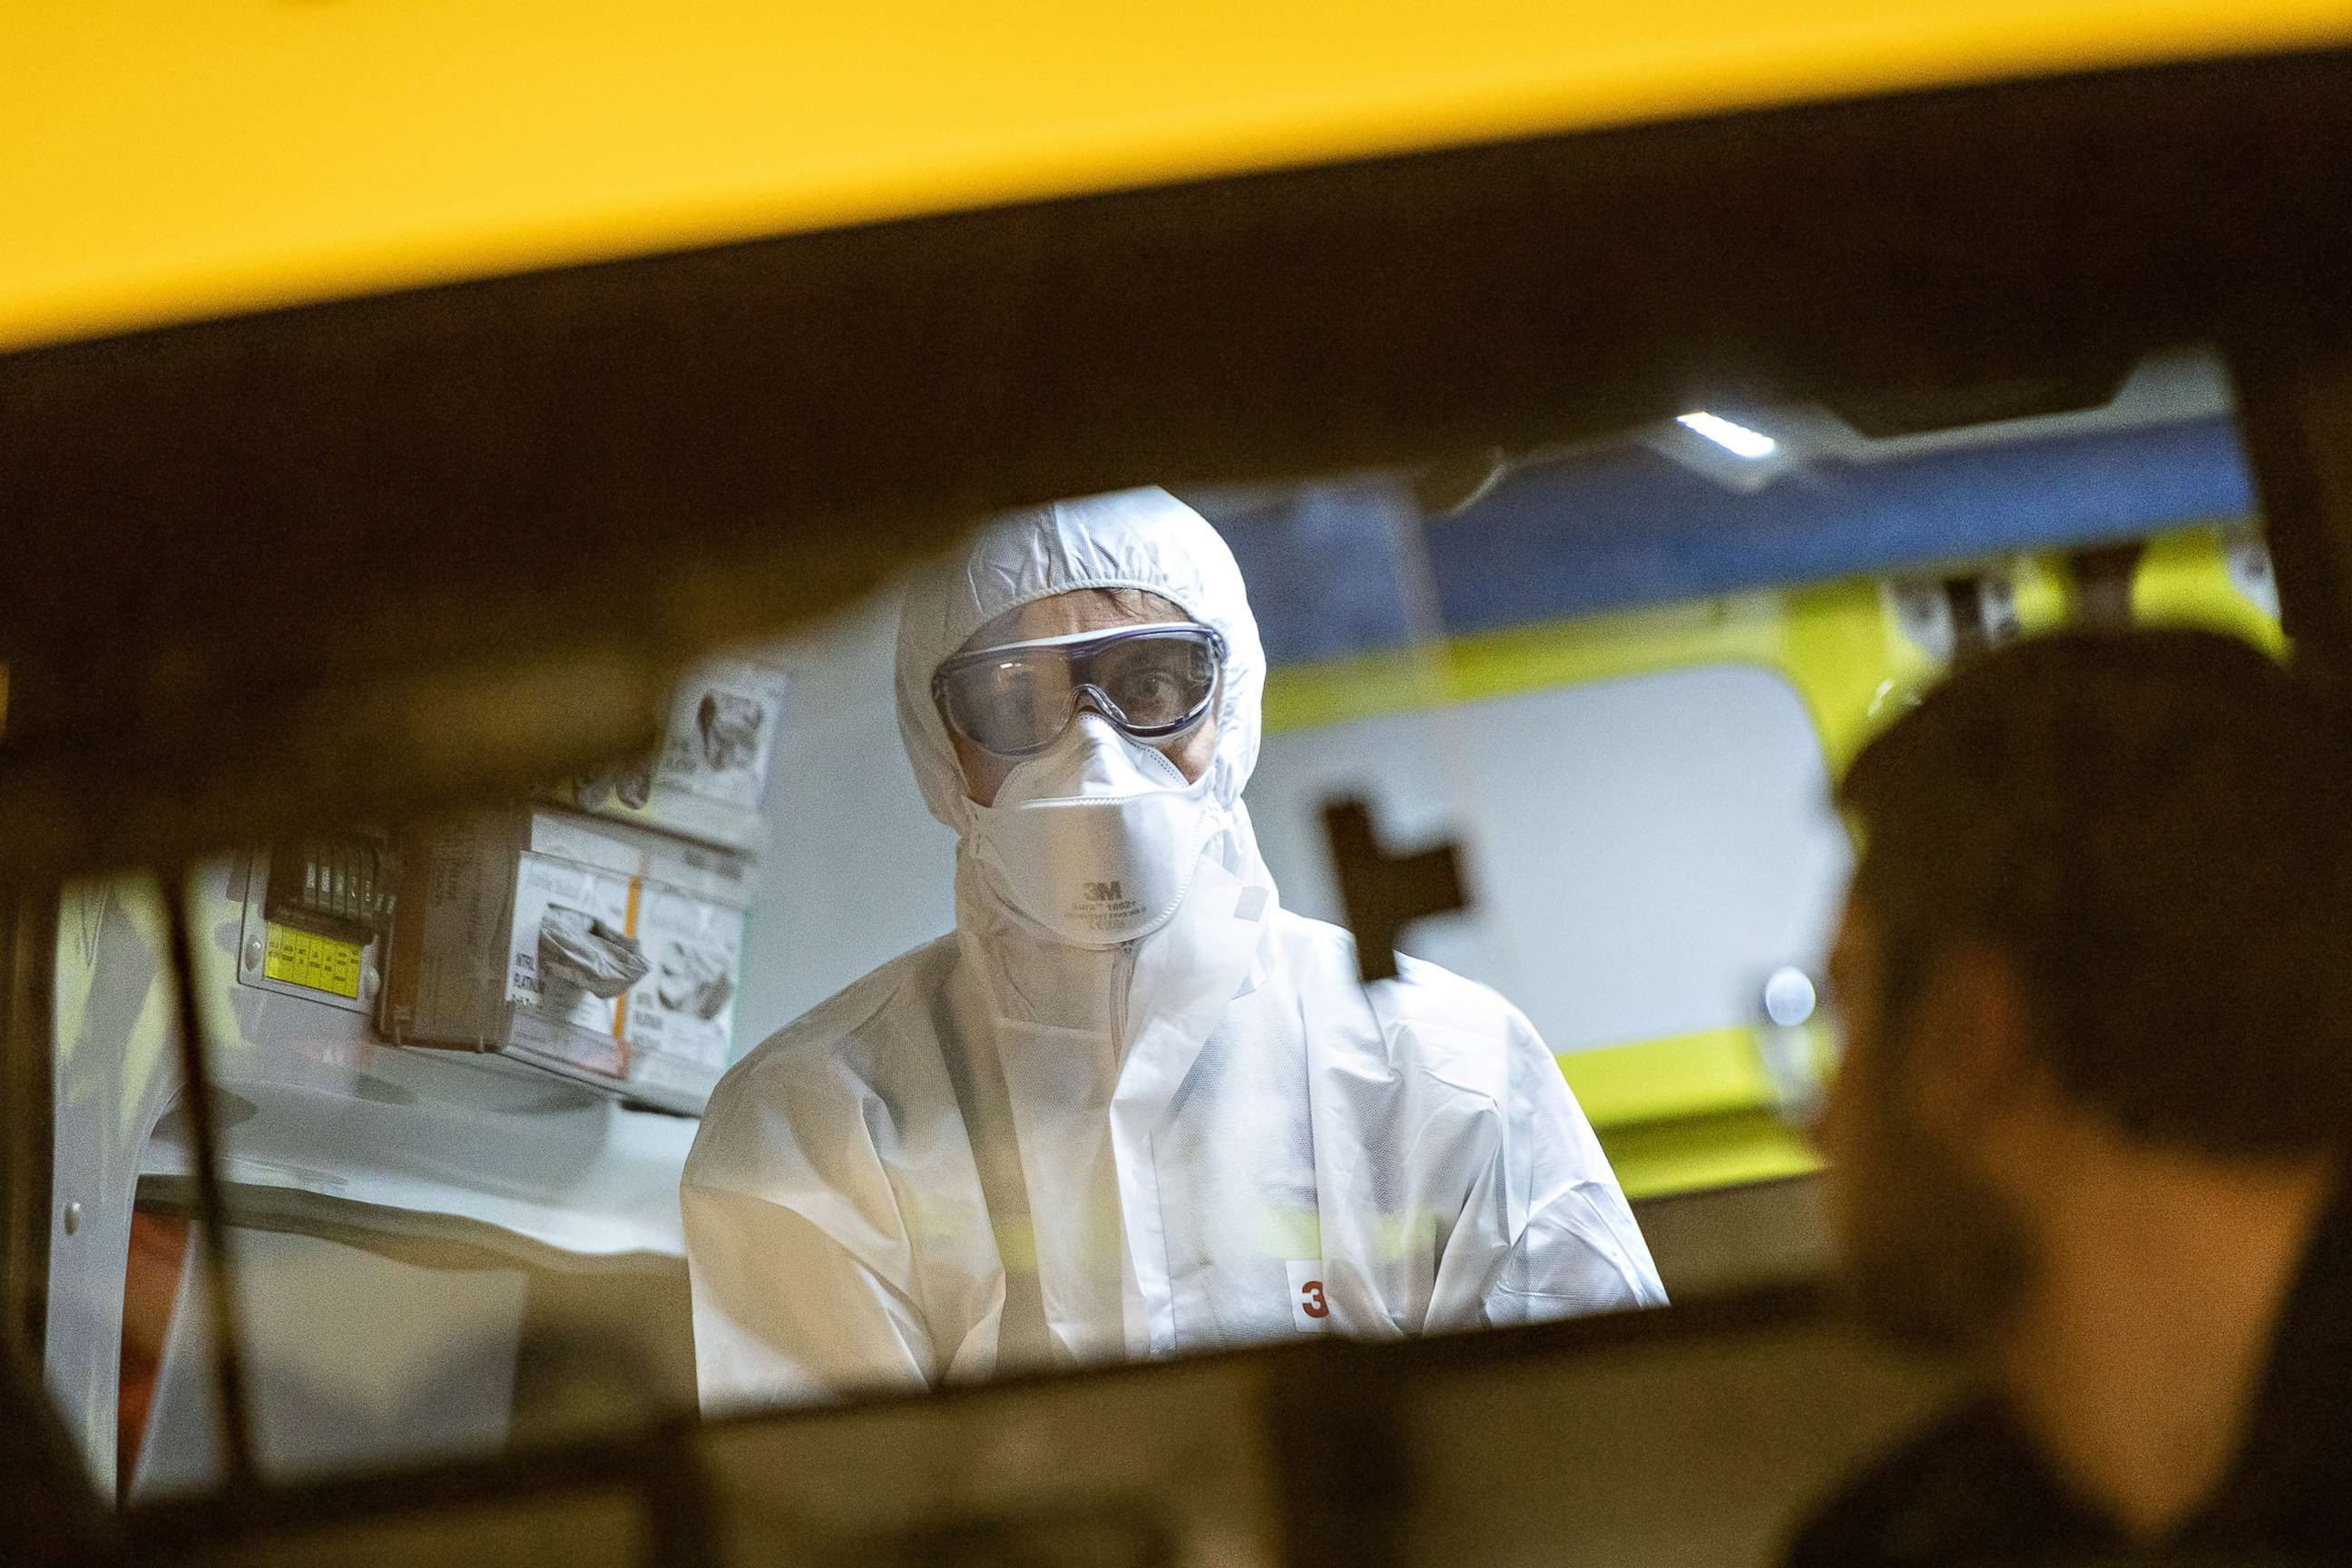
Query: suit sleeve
[[799, 1264], [1573, 1247], [785, 1315]]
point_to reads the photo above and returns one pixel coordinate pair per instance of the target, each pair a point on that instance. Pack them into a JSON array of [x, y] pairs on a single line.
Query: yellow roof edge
[[62, 293]]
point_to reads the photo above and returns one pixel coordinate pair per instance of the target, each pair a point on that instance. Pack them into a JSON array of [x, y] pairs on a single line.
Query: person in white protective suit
[[1131, 1106]]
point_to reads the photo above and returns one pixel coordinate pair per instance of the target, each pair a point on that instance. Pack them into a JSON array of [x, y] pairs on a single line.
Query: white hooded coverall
[[1001, 1152]]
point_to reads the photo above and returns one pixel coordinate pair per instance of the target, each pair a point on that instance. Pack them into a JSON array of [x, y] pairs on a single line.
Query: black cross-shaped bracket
[[1382, 893]]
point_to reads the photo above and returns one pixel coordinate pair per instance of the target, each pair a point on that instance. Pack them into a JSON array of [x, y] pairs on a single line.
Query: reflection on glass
[[1096, 1077]]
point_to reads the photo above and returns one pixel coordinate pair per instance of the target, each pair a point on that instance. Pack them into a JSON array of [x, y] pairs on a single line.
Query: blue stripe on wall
[[1631, 527]]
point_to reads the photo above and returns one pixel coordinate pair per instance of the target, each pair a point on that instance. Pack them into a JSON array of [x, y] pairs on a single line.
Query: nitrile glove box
[[587, 947]]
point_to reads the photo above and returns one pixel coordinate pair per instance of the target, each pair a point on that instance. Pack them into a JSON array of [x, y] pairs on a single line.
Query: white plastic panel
[[310, 1104], [353, 1361], [1644, 852]]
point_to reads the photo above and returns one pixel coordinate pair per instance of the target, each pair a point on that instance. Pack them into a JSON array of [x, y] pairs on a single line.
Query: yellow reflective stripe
[[1016, 1243], [1749, 627]]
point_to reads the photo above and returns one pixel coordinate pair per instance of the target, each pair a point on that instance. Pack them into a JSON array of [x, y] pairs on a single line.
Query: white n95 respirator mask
[[1096, 839]]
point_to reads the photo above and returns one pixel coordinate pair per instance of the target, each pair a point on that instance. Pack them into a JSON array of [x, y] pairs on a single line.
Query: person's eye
[[1158, 696]]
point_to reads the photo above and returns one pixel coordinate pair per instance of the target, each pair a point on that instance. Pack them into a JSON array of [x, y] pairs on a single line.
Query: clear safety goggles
[[1015, 700]]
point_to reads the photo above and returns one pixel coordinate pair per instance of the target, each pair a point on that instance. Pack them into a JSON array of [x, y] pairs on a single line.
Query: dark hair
[[2153, 826]]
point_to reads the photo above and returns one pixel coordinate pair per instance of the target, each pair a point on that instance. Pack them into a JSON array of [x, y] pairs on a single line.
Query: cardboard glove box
[[587, 947], [710, 780]]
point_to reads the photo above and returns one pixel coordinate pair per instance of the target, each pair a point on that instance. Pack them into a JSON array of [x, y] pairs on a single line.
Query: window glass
[[460, 1067]]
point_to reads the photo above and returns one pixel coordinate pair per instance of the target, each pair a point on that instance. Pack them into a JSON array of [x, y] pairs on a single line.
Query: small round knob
[[1789, 996]]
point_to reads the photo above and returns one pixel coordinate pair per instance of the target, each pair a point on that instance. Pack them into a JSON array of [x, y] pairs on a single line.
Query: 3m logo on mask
[[1104, 905]]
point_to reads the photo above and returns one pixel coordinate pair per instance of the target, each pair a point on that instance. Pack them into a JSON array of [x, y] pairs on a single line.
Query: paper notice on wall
[[722, 732], [709, 779]]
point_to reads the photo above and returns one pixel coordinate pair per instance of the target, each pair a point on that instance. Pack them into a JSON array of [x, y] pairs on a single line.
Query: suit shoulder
[[1419, 986], [1428, 1016]]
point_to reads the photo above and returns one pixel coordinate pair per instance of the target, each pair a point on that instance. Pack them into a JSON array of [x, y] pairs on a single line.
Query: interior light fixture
[[1736, 439]]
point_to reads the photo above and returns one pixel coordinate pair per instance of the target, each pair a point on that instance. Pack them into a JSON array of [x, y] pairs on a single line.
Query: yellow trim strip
[[1686, 1112], [1715, 1072], [2183, 581], [176, 159], [1665, 1158]]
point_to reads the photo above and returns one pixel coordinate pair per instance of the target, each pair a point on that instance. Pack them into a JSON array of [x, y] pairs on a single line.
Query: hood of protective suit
[[1143, 539], [1130, 539]]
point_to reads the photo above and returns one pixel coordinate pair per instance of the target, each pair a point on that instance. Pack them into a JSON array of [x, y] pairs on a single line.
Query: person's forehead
[[1079, 610]]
